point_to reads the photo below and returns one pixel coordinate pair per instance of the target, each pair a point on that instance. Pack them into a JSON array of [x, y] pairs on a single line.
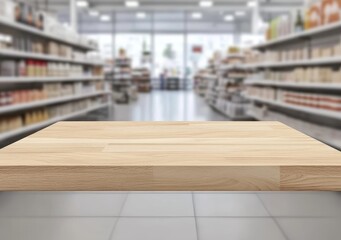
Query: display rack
[[14, 54], [21, 111], [142, 79], [121, 79], [40, 125], [315, 108], [172, 83], [79, 43], [203, 77], [224, 87]]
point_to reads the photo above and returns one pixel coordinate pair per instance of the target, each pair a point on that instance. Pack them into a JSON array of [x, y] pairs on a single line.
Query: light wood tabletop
[[167, 156]]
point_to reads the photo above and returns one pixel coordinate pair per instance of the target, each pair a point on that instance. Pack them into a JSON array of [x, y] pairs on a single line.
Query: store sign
[[197, 49]]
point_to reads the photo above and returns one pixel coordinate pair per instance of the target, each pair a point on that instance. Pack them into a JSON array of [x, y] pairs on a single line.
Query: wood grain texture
[[192, 156]]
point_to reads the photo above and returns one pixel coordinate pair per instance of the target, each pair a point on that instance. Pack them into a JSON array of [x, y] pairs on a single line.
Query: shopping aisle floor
[[169, 216], [166, 106]]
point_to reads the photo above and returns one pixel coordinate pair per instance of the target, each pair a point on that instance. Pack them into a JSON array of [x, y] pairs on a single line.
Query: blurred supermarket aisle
[[166, 106]]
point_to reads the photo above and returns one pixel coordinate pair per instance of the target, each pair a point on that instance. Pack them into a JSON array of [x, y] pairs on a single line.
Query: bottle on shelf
[[299, 25]]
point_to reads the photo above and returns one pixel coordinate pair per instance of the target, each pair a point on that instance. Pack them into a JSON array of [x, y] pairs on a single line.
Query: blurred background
[[170, 60]]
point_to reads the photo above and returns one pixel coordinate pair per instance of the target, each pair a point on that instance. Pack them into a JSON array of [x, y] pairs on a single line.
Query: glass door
[[168, 58]]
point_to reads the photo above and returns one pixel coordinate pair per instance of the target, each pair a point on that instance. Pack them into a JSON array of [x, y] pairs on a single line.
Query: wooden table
[[194, 156]]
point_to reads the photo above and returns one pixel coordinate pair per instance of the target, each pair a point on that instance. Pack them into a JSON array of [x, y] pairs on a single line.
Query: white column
[[255, 18], [73, 15]]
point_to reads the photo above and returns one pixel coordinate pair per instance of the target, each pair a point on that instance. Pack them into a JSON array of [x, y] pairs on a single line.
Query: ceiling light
[[93, 13], [196, 15], [252, 3], [132, 4], [141, 15], [82, 4], [206, 4], [240, 13], [229, 18], [105, 18]]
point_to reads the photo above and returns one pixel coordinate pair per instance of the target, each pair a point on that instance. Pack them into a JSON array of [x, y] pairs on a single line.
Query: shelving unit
[[37, 56], [296, 85], [37, 126], [121, 80], [79, 103], [38, 33], [204, 77], [328, 135], [299, 36], [172, 83], [46, 102], [224, 87], [142, 79], [319, 112], [305, 62], [314, 120], [11, 80]]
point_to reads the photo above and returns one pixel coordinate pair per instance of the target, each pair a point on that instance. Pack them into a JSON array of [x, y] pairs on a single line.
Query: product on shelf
[[322, 12], [299, 25], [43, 114], [120, 76], [310, 100], [36, 68], [141, 78], [302, 75], [10, 123], [49, 91], [299, 52]]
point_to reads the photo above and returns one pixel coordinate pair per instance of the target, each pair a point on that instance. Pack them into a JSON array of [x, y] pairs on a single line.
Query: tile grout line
[[195, 217], [118, 218], [273, 218], [233, 217]]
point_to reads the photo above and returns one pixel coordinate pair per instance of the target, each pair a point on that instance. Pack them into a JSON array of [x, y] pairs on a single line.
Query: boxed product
[[8, 68], [330, 11], [315, 15]]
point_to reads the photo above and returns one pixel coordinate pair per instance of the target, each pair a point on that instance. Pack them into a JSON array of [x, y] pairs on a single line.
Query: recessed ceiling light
[[105, 18], [93, 13], [206, 4], [196, 15], [229, 18], [82, 4], [132, 4], [240, 13], [252, 3], [141, 15]]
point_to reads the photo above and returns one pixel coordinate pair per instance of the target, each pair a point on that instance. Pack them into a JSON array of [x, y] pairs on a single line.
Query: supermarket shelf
[[35, 104], [325, 134], [208, 76], [40, 125], [235, 55], [222, 111], [225, 67], [299, 36], [304, 62], [49, 79], [319, 112], [322, 86], [26, 55], [37, 32]]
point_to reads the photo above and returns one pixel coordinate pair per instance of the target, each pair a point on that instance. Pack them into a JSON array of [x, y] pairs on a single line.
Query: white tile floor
[[166, 106], [169, 215]]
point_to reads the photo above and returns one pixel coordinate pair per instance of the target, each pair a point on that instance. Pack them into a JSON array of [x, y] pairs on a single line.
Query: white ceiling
[[169, 15]]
